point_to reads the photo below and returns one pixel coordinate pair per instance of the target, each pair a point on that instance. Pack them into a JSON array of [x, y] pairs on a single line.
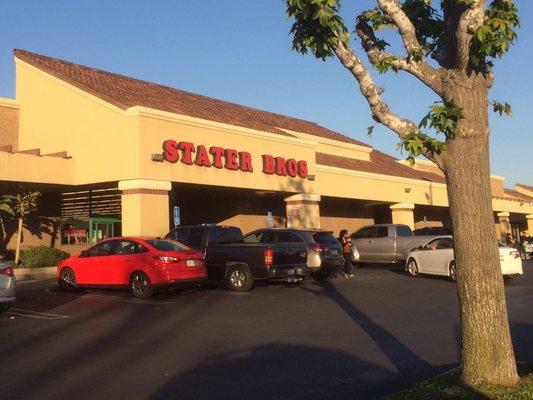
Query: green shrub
[[42, 256]]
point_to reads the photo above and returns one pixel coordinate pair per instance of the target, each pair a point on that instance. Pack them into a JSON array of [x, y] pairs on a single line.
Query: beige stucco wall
[[342, 183], [336, 224], [145, 214], [514, 206], [17, 167], [9, 123], [496, 185], [40, 228], [55, 116], [248, 223]]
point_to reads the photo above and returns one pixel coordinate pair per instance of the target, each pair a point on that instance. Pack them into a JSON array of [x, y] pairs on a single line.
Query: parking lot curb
[[35, 273]]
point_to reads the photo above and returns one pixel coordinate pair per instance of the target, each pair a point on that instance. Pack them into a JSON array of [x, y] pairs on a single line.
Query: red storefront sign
[[75, 232], [218, 157]]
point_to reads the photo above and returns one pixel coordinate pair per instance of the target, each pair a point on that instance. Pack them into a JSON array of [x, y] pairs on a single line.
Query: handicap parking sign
[[270, 219], [177, 215]]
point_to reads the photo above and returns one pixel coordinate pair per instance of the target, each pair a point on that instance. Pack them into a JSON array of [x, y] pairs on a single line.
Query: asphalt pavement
[[346, 339]]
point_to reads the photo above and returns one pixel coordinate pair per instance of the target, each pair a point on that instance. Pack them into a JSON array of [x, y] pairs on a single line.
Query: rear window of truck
[[324, 238], [228, 234]]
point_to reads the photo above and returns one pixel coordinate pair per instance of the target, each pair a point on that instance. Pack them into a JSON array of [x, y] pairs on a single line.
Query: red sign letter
[[268, 164], [292, 167], [245, 161], [302, 169], [217, 156], [281, 169], [170, 151], [231, 159], [187, 149], [202, 158]]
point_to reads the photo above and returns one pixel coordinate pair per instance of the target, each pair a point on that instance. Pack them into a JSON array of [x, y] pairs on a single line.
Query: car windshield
[[167, 245]]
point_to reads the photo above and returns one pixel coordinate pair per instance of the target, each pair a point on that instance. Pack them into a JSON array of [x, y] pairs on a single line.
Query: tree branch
[[372, 94], [393, 10], [430, 76], [470, 20]]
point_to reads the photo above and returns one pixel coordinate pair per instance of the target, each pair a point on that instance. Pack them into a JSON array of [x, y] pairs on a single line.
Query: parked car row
[[192, 254], [421, 254]]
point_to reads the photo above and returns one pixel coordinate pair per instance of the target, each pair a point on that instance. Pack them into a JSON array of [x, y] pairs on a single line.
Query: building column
[[505, 225], [529, 219], [403, 213], [303, 211], [145, 207]]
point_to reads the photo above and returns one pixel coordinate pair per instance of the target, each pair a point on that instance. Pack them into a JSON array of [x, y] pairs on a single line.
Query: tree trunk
[[487, 351], [19, 239]]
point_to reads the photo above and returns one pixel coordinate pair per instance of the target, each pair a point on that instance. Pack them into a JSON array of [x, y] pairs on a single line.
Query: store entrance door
[[102, 228]]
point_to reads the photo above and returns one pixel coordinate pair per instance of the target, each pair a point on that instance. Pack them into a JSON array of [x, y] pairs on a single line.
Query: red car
[[139, 263]]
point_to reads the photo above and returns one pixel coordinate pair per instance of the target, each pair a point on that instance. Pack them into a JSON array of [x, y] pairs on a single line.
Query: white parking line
[[114, 298], [35, 314]]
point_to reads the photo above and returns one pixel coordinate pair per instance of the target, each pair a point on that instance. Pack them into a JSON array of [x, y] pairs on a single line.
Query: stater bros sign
[[233, 160]]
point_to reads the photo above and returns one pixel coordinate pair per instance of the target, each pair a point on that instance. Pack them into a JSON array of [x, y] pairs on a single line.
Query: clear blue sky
[[239, 50]]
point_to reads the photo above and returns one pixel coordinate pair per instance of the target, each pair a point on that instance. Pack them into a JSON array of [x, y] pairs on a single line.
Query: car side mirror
[[421, 248], [84, 253]]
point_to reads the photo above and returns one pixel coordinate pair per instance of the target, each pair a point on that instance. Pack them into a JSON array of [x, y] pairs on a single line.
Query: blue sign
[[270, 219], [177, 215]]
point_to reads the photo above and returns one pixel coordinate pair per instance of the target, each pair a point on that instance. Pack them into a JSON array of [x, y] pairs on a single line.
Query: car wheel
[[67, 279], [239, 278], [140, 285], [412, 267], [453, 271]]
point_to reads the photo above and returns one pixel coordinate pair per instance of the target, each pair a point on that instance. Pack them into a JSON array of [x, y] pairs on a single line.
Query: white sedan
[[436, 258]]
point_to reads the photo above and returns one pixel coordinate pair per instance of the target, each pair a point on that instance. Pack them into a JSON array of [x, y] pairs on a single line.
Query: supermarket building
[[114, 155]]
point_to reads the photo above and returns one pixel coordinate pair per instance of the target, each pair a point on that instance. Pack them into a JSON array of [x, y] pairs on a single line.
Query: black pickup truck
[[229, 258]]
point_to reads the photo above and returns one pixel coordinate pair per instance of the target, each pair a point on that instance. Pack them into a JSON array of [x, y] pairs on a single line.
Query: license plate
[[191, 263], [290, 272]]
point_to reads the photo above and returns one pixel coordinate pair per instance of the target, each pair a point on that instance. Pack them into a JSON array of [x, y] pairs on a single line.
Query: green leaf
[[443, 117], [418, 143], [317, 26], [494, 38], [502, 108]]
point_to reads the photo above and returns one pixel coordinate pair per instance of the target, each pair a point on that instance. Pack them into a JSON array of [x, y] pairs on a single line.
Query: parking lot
[[357, 338]]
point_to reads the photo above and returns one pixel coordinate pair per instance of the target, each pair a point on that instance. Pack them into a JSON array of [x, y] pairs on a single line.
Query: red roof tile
[[516, 195], [125, 92], [380, 163], [526, 187]]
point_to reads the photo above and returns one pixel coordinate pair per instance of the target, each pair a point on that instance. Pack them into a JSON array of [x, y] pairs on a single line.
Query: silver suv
[[7, 287]]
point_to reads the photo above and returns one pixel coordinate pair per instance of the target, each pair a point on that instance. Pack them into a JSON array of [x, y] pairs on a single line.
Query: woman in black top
[[346, 244]]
